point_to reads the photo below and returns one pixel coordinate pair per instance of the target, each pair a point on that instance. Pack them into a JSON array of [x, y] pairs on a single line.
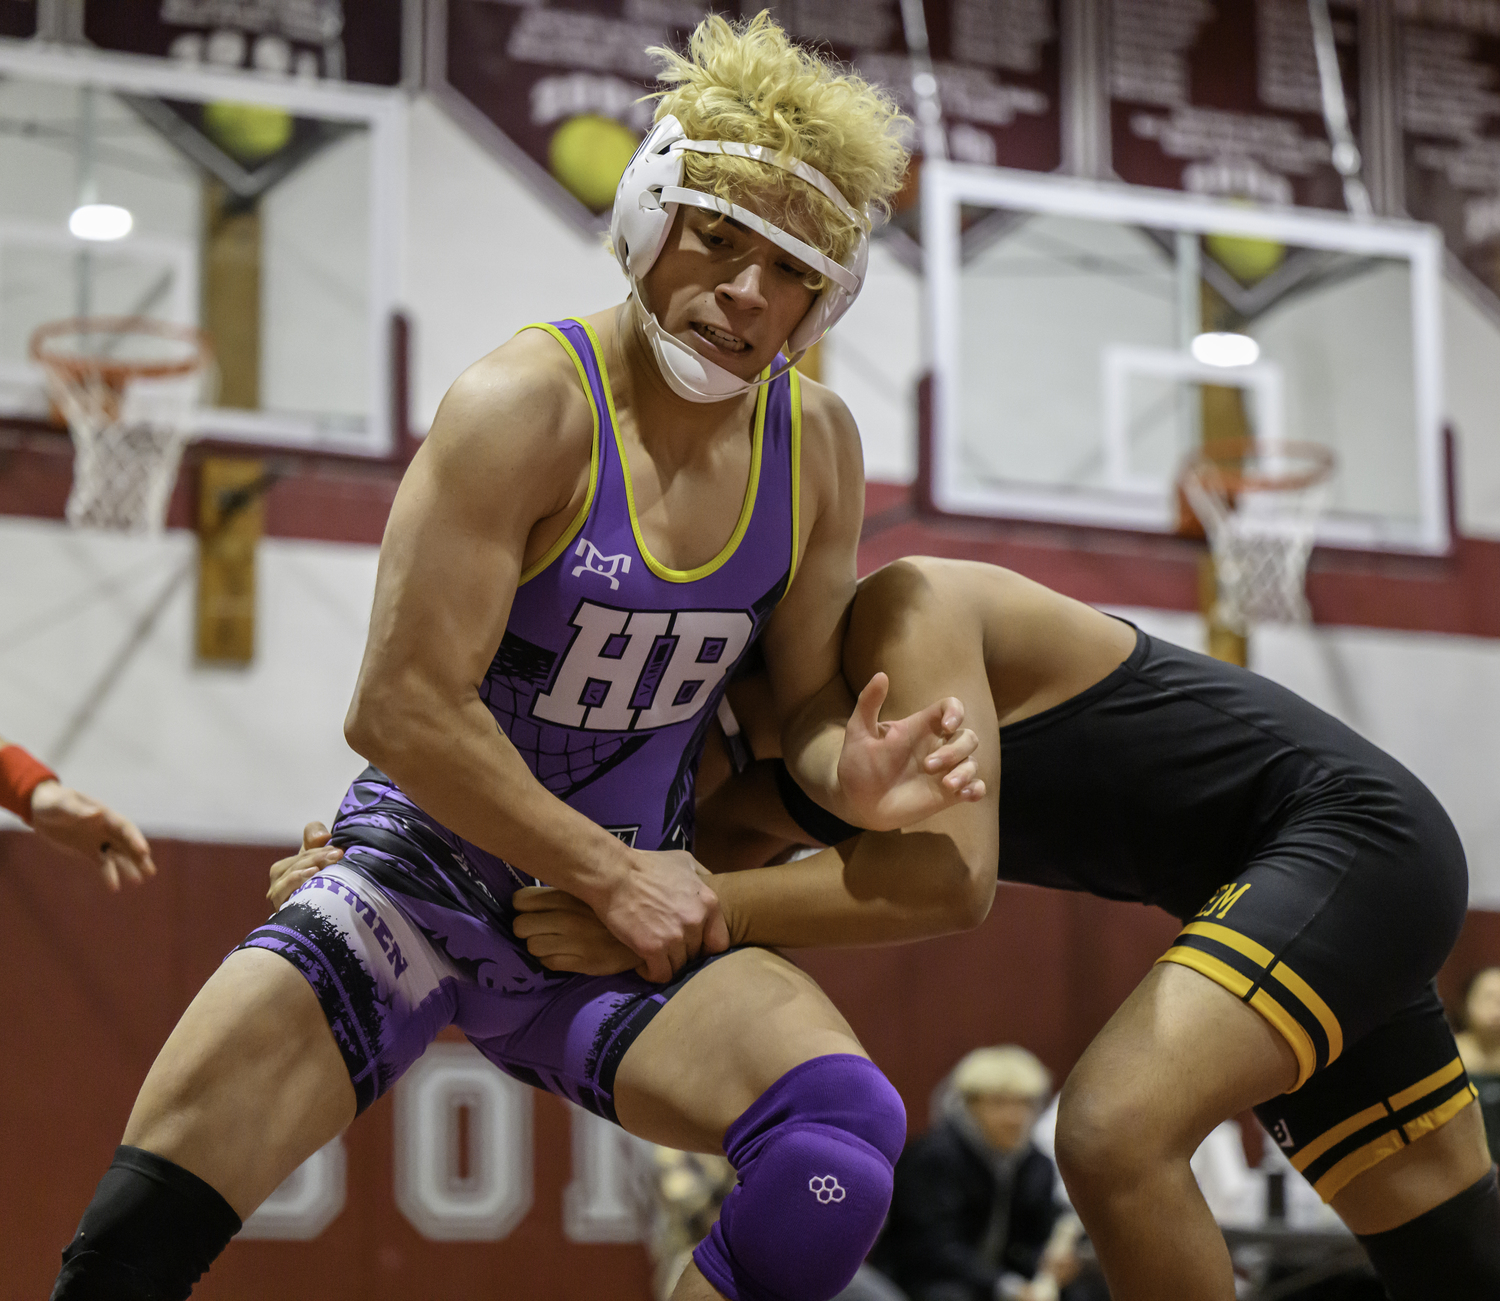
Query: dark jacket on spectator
[[963, 1215]]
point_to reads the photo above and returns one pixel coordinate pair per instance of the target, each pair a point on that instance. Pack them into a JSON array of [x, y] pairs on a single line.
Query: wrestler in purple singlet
[[606, 679]]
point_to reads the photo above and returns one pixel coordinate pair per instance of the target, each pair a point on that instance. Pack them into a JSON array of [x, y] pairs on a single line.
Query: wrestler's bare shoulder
[[518, 409], [832, 461]]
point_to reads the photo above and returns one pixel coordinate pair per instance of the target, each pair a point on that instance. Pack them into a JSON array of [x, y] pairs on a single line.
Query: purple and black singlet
[[609, 672]]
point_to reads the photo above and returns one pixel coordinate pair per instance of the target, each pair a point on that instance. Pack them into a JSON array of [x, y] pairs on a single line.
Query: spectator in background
[[975, 1215], [1479, 1046], [681, 1194], [31, 790]]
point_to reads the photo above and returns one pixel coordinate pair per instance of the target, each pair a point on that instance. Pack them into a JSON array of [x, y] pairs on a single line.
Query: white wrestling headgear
[[645, 204]]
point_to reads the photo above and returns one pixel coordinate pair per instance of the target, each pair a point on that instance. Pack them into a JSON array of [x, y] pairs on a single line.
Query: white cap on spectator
[[1007, 1069]]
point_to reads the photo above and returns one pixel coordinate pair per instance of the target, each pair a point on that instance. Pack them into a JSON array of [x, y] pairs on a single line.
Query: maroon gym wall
[[97, 982]]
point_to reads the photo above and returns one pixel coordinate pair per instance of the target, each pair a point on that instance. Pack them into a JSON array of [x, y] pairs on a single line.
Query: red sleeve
[[20, 775]]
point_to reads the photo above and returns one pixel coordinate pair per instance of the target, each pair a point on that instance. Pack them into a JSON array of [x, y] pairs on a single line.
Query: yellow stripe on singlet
[[1257, 953], [1439, 1115], [1357, 1162], [1373, 1153], [1301, 989], [1311, 1152], [747, 506], [1291, 1030], [1289, 980], [1400, 1101], [1216, 969], [796, 404], [581, 518], [1362, 1158]]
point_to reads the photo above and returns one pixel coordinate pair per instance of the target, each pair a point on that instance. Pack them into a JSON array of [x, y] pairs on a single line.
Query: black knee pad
[[150, 1233], [1450, 1253]]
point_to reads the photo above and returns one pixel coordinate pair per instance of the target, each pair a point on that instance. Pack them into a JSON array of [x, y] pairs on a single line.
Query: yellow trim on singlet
[[580, 519], [747, 507], [796, 407], [1257, 953], [1291, 1030], [1388, 1144], [1305, 1156], [1292, 981], [1376, 1151], [1238, 984], [1400, 1101], [1356, 1163], [1289, 979], [1205, 964], [1440, 1115]]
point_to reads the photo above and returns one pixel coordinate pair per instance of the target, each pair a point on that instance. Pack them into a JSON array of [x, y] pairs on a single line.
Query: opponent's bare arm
[[871, 774], [494, 484], [917, 625]]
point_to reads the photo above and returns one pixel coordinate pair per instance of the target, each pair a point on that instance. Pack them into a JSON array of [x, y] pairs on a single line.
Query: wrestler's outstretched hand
[[563, 934], [660, 909], [287, 874], [71, 819], [895, 774]]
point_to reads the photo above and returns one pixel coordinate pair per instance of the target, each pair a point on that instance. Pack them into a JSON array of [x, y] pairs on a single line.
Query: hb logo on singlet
[[634, 670]]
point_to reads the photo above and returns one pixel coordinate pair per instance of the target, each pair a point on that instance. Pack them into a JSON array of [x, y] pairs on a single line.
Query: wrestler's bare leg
[[729, 1034], [249, 1084], [1181, 1056]]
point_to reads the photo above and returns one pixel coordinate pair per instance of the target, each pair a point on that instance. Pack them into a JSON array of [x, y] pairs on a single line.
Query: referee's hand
[[71, 819]]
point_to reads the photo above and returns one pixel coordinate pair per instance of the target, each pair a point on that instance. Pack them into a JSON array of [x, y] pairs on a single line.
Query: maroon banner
[[1223, 99], [315, 39], [18, 18], [1449, 56], [563, 85]]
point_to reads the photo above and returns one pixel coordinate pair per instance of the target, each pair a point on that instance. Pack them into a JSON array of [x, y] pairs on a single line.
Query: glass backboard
[[263, 210], [1073, 332]]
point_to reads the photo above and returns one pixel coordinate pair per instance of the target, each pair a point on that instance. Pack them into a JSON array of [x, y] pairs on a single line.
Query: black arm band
[[811, 816]]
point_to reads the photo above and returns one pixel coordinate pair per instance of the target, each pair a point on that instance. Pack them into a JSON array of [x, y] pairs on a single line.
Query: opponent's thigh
[[1179, 1056], [248, 1085], [731, 1032]]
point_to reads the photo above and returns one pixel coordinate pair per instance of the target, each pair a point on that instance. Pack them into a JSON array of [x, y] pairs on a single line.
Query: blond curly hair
[[748, 82]]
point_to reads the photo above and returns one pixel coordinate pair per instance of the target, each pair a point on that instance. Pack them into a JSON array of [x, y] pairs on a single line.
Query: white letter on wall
[[307, 1202], [601, 1203], [463, 1147]]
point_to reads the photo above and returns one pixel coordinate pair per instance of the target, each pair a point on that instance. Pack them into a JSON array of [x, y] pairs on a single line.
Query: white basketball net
[[127, 437], [1260, 531]]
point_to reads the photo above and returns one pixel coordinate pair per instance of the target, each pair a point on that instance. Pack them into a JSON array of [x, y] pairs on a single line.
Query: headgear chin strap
[[688, 373], [646, 201]]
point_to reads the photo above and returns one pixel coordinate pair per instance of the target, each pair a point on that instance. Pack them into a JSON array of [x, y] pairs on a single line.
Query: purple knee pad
[[814, 1154]]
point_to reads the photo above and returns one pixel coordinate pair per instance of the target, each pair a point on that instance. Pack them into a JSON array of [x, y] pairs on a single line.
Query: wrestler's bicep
[[455, 545], [804, 639]]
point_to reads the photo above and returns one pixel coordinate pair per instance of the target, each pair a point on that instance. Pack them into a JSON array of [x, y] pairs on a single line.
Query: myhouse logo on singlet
[[633, 670]]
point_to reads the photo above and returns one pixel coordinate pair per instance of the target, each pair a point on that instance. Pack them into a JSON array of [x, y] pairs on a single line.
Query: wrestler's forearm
[[812, 740], [461, 769], [883, 888]]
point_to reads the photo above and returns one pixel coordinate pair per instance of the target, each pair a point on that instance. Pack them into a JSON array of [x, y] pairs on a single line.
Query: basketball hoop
[[126, 387], [1259, 504]]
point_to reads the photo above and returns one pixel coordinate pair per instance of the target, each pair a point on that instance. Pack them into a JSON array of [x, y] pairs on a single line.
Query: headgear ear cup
[[640, 222], [831, 303]]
